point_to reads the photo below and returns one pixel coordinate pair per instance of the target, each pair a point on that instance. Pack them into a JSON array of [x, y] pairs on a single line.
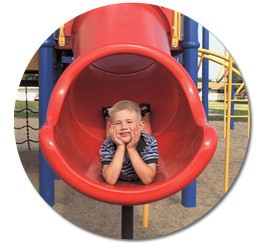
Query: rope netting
[[27, 125]]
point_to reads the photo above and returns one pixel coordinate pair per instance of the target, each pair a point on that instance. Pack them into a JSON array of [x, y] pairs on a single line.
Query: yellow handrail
[[239, 116], [200, 62], [145, 220], [240, 88], [61, 38], [213, 53], [219, 73], [228, 66], [177, 29], [224, 76], [238, 100], [227, 160], [225, 64]]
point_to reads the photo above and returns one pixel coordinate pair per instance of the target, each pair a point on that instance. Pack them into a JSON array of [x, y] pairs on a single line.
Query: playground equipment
[[123, 61], [117, 63], [227, 64], [64, 47]]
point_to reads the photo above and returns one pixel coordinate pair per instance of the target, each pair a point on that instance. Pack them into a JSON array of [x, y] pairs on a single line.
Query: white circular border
[[25, 219]]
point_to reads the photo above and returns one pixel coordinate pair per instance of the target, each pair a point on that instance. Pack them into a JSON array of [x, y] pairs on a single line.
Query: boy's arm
[[112, 171], [146, 172]]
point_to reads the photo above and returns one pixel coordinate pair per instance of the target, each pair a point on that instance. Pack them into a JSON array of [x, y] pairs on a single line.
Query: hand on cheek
[[114, 136], [135, 136]]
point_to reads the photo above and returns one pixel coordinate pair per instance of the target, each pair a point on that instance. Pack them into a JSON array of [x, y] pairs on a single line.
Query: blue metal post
[[205, 73], [189, 195], [190, 46], [190, 61], [46, 84], [180, 59]]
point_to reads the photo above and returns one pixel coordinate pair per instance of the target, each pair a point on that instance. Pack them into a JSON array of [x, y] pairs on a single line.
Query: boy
[[129, 153]]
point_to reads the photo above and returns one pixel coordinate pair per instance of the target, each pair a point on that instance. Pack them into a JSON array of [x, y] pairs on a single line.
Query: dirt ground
[[165, 216]]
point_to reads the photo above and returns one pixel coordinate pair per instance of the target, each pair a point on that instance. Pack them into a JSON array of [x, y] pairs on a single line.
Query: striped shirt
[[147, 148]]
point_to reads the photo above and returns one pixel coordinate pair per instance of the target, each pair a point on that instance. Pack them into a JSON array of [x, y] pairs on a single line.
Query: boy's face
[[125, 121]]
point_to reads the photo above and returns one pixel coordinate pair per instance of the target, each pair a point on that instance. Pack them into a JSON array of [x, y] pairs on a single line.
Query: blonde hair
[[125, 105]]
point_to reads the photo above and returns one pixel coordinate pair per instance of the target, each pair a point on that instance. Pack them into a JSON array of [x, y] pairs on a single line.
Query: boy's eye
[[130, 122]]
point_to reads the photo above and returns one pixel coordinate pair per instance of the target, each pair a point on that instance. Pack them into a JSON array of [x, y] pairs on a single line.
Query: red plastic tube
[[122, 52]]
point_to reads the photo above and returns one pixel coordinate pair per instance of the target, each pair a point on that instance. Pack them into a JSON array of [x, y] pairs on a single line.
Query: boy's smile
[[124, 134]]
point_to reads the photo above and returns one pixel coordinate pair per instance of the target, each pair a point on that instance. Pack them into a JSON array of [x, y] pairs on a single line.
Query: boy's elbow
[[148, 180], [108, 178], [109, 181]]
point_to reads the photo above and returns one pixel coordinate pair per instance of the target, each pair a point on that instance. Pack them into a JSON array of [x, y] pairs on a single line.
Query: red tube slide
[[122, 52]]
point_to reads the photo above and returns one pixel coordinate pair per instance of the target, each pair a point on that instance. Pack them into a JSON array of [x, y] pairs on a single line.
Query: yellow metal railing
[[177, 29], [227, 64], [233, 100], [227, 117], [145, 220], [229, 97], [61, 38], [223, 60], [215, 57], [240, 90]]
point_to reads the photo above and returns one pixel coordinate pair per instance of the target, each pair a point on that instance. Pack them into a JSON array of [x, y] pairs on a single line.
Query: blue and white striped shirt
[[147, 148]]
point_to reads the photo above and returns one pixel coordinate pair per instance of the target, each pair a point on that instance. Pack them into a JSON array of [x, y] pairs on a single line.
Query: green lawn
[[20, 105], [216, 110]]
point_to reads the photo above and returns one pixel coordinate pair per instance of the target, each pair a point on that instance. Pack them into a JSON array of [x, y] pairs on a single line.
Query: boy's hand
[[115, 137], [136, 134]]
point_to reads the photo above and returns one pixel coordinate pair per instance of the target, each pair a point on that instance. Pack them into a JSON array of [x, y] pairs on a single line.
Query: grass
[[32, 105], [216, 110], [220, 105]]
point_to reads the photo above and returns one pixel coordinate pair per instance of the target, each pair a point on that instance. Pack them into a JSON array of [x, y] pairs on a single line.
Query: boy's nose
[[124, 126]]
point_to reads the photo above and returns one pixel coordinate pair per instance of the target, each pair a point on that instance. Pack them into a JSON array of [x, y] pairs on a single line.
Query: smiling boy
[[128, 153]]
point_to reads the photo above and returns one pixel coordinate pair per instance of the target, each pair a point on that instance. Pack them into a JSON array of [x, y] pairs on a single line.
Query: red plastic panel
[[141, 24]]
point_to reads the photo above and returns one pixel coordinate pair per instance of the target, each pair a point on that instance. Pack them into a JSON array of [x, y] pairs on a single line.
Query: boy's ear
[[141, 124]]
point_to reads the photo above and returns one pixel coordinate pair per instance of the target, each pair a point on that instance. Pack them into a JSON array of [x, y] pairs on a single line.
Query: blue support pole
[[189, 195], [46, 84], [190, 46], [232, 121], [205, 73], [190, 61], [179, 59]]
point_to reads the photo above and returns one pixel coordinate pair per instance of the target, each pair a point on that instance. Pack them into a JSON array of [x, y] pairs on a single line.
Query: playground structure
[[229, 69], [65, 93], [118, 59]]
